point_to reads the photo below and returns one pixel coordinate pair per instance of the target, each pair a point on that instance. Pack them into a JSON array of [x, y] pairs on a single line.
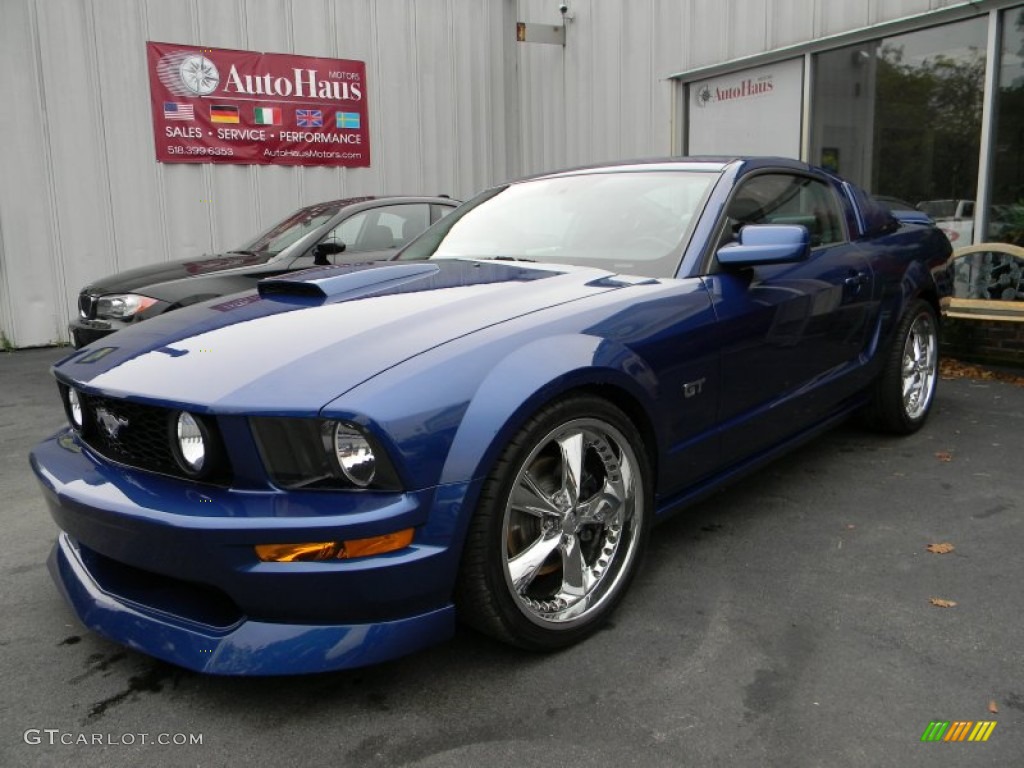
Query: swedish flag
[[347, 119]]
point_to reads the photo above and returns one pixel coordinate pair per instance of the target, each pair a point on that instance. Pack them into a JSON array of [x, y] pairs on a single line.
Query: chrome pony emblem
[[109, 423]]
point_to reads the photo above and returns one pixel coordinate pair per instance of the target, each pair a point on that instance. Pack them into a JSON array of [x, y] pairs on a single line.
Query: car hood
[[305, 339], [137, 280], [176, 281]]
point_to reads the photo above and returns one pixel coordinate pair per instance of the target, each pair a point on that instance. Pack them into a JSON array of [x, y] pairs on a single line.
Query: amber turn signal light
[[376, 545], [332, 550], [290, 553]]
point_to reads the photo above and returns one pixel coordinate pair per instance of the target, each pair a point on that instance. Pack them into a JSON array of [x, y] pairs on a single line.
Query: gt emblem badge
[[110, 423], [692, 388]]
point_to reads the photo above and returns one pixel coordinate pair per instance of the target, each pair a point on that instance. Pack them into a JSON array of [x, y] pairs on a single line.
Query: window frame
[[722, 235]]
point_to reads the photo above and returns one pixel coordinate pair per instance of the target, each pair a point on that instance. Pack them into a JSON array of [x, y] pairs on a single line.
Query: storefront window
[[1006, 216], [901, 117]]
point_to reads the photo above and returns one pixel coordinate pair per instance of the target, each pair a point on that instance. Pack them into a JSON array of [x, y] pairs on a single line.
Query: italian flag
[[267, 115]]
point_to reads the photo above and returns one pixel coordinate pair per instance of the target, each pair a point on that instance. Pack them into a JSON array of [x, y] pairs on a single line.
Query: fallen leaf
[[954, 369], [943, 455], [851, 527], [940, 603], [940, 549], [992, 707]]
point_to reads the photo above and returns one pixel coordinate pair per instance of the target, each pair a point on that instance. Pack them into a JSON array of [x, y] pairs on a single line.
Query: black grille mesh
[[137, 435]]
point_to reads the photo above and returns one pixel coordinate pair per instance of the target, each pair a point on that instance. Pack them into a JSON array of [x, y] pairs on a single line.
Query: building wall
[[82, 196], [455, 105], [613, 77]]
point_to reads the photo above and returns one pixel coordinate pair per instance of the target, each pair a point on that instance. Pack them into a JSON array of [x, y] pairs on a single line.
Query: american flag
[[309, 118], [175, 111]]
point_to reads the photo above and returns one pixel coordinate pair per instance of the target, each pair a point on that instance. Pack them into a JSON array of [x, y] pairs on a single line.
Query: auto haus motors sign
[[215, 105]]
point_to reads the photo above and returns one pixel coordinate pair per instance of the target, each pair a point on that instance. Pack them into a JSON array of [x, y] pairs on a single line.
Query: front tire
[[904, 391], [560, 529]]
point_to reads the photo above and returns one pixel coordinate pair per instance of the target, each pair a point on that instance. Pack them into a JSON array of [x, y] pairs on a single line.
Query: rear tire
[[903, 393], [561, 527]]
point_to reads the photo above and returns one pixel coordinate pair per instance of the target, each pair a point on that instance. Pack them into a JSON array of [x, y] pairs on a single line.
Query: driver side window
[[379, 229], [348, 231], [776, 198]]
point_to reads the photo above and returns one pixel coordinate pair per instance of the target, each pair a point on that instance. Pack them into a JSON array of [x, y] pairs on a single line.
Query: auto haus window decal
[[216, 105]]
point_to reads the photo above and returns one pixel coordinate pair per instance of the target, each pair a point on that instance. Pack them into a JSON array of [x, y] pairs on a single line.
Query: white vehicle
[[954, 217]]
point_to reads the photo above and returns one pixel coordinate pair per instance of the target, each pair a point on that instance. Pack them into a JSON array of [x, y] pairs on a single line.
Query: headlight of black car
[[121, 306], [322, 454]]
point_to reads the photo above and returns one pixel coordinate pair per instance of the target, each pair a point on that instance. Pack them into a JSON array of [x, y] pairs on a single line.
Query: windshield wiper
[[245, 253]]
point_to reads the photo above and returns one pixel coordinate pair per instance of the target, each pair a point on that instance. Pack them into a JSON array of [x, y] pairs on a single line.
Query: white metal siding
[[455, 105], [791, 22]]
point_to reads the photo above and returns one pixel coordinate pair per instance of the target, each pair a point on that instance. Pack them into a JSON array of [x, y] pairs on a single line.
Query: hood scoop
[[348, 282]]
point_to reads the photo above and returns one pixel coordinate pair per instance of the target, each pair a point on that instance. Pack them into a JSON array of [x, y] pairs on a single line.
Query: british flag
[[309, 118]]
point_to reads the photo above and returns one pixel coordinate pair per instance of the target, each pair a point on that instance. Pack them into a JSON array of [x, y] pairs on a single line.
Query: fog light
[[191, 443], [74, 408]]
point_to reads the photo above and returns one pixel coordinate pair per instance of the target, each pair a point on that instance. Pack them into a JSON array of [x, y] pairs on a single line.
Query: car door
[[792, 333]]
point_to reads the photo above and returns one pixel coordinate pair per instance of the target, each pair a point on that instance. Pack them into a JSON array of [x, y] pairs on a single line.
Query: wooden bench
[[987, 309]]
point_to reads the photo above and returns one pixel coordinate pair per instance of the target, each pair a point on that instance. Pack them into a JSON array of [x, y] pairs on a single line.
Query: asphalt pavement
[[788, 621]]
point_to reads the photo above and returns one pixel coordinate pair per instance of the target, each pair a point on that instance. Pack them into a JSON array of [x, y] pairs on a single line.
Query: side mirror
[[766, 244], [322, 250]]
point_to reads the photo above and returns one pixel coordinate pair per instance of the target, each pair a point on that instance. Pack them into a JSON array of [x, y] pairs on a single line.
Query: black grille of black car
[[86, 306], [137, 435]]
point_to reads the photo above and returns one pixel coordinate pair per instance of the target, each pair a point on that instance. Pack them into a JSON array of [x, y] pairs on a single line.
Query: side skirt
[[666, 508]]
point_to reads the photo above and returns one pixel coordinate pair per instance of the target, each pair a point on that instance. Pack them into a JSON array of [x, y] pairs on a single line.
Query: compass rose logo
[[185, 73], [704, 96], [199, 75]]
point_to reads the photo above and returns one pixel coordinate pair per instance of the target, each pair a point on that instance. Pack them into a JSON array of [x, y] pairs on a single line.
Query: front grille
[[138, 435], [130, 433], [87, 306]]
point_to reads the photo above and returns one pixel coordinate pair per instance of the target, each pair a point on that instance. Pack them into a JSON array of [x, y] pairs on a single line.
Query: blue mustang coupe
[[326, 472]]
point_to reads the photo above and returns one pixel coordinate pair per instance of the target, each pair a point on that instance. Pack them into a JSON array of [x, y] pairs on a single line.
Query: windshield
[[286, 232], [632, 222]]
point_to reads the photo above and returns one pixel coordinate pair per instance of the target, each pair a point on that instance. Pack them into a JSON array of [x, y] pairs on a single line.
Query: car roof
[[704, 163], [366, 200]]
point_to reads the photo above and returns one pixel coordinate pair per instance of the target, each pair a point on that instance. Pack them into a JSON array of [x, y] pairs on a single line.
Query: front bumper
[[84, 331], [167, 567], [247, 648]]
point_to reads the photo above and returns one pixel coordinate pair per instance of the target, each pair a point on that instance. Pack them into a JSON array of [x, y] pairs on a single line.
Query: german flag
[[223, 113]]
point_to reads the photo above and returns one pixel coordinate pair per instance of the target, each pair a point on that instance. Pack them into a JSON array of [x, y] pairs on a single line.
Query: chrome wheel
[[920, 362], [901, 397], [572, 523]]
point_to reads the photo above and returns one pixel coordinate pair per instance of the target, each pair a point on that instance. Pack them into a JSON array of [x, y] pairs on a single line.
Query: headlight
[[322, 454], [354, 454], [118, 306]]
